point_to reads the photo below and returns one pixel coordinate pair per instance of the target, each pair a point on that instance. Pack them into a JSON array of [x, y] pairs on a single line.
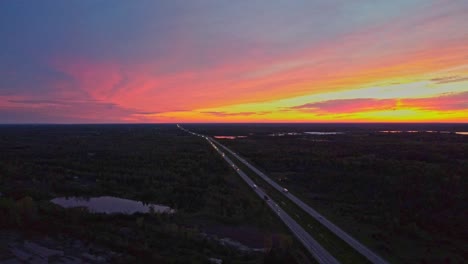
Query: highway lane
[[370, 255], [317, 251]]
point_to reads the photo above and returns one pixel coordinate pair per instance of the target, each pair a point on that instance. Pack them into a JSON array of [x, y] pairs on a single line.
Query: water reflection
[[111, 205], [324, 133], [403, 131], [315, 133], [229, 137], [421, 131]]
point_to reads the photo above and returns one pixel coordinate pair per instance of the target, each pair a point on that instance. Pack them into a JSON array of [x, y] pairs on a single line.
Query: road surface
[[366, 252], [317, 251]]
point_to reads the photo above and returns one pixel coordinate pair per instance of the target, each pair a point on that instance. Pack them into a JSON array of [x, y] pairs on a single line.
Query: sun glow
[[409, 63]]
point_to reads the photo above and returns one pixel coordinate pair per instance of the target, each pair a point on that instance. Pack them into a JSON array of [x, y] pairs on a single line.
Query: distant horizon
[[234, 123]]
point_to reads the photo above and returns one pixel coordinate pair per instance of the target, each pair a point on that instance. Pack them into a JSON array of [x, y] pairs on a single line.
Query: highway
[[317, 251], [366, 252]]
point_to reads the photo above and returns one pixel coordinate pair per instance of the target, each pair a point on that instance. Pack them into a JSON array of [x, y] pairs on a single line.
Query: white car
[[285, 190]]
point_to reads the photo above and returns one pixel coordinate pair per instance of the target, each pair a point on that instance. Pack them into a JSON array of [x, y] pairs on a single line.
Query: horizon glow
[[176, 61]]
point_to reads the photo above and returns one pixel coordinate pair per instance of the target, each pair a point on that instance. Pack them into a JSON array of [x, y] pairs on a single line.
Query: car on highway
[[254, 186], [266, 198], [285, 190]]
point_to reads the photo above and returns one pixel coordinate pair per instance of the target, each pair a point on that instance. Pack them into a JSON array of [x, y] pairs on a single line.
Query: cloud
[[226, 114], [62, 110], [162, 57], [448, 102], [98, 79], [193, 74], [342, 106], [38, 102], [147, 113], [449, 79]]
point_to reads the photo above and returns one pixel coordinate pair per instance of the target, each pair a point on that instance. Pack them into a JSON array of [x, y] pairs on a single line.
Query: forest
[[150, 163], [399, 188]]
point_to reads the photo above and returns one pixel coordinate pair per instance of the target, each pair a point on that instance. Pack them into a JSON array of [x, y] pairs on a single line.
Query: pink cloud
[[451, 102], [347, 106], [226, 114], [89, 110], [97, 79], [375, 53]]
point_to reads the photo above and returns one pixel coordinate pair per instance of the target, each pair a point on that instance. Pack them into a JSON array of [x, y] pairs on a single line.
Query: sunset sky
[[233, 61]]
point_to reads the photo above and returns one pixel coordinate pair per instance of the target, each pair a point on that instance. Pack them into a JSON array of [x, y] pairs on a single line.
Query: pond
[[323, 133], [111, 205], [229, 137], [282, 134], [421, 131], [314, 133]]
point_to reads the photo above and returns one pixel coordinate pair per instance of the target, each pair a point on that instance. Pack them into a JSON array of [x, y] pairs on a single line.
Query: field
[[403, 193], [151, 163]]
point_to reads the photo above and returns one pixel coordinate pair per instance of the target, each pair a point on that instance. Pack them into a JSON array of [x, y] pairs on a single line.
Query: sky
[[171, 61]]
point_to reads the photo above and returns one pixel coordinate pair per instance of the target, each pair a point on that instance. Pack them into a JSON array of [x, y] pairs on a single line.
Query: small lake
[[111, 205], [314, 133], [323, 133], [282, 134], [423, 131], [229, 137], [402, 131]]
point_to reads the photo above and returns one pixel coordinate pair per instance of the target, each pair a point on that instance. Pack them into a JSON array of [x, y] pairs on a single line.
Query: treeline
[[408, 185], [151, 163]]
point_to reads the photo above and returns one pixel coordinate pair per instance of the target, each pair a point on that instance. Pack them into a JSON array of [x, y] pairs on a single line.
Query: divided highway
[[317, 251], [370, 255]]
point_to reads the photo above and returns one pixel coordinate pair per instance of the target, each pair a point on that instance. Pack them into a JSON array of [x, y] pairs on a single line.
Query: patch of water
[[229, 137], [111, 205], [323, 133]]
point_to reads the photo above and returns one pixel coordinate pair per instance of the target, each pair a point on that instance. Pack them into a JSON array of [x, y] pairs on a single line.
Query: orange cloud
[[452, 102], [173, 86], [347, 106], [230, 114]]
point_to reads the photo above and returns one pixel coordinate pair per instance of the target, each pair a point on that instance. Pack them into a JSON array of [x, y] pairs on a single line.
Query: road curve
[[365, 251], [317, 251]]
